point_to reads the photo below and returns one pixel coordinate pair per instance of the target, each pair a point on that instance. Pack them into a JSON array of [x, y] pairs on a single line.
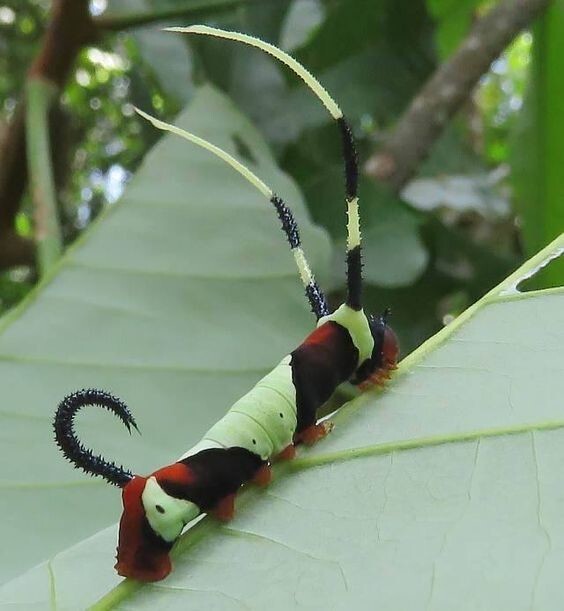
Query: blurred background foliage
[[488, 196]]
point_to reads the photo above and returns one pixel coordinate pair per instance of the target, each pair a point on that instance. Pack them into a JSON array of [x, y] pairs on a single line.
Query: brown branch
[[190, 10], [13, 170], [70, 28], [446, 91], [15, 250]]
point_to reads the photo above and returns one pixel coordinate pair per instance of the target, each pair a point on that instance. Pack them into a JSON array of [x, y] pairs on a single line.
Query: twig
[[15, 250], [190, 9], [40, 95], [69, 29], [446, 91]]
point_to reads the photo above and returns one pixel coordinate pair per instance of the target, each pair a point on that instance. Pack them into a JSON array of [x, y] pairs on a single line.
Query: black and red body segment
[[385, 353], [217, 473], [205, 479], [141, 553], [326, 359]]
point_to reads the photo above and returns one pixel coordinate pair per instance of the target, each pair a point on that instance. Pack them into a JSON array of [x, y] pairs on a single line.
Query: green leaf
[[394, 254], [353, 26], [443, 493], [168, 56], [304, 16], [345, 31], [177, 301], [538, 147], [454, 18]]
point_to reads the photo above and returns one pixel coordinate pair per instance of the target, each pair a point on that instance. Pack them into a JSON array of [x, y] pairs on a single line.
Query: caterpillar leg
[[288, 453], [225, 509], [263, 476], [314, 432], [379, 378]]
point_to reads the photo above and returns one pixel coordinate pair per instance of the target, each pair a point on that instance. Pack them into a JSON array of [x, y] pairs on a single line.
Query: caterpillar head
[[383, 359], [151, 522]]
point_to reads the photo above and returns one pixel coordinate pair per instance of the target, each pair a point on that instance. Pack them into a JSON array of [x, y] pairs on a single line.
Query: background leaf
[[454, 18], [179, 313], [168, 56], [538, 147]]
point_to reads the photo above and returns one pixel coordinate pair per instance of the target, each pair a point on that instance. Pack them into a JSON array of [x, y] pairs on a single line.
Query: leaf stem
[[123, 590], [40, 96], [308, 462]]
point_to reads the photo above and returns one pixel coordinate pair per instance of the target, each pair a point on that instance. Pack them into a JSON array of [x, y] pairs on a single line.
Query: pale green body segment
[[263, 421], [356, 323], [166, 514]]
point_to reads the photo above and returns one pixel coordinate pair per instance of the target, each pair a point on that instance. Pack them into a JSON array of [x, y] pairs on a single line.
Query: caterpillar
[[278, 413]]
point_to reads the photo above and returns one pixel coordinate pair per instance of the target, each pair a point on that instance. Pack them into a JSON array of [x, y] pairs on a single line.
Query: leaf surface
[[442, 493], [177, 301]]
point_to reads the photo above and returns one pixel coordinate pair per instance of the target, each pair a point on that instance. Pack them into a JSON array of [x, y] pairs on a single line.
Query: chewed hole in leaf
[[548, 276]]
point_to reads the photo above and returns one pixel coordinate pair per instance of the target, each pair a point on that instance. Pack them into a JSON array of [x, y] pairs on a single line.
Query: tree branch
[[191, 10], [15, 250], [13, 170], [448, 88], [69, 29], [40, 95]]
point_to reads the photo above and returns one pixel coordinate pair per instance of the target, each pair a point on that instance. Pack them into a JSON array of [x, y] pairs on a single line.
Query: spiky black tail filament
[[354, 255], [314, 294], [354, 258], [72, 448]]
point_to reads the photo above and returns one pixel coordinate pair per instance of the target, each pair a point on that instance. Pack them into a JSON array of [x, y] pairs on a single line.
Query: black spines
[[316, 300], [354, 256], [72, 448], [324, 360], [289, 225], [354, 278], [350, 158], [315, 296]]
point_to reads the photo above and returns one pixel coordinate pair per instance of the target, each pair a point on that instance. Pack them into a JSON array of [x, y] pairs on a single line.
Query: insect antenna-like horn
[[314, 294], [354, 259], [72, 448]]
